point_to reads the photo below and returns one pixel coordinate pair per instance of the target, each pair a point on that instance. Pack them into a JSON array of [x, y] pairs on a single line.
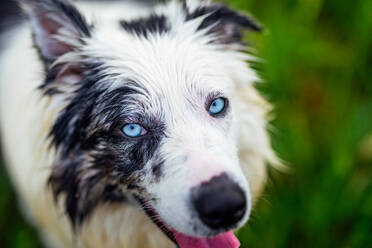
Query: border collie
[[132, 126]]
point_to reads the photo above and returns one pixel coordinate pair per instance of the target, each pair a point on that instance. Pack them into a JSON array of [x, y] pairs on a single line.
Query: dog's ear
[[223, 23], [58, 27]]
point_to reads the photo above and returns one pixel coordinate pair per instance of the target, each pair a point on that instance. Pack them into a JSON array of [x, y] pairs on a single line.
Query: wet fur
[[51, 138]]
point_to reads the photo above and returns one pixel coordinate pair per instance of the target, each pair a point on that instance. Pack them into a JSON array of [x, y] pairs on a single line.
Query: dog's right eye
[[217, 106], [133, 130]]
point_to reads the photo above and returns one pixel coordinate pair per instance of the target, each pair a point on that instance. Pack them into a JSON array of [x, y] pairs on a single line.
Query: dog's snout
[[220, 203]]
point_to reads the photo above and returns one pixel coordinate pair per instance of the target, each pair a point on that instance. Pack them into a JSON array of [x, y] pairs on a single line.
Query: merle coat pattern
[[98, 67]]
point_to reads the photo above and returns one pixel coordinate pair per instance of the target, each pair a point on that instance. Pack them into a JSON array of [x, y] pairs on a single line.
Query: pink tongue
[[224, 240]]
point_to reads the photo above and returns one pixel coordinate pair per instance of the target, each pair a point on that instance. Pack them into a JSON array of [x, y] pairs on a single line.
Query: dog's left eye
[[133, 130], [217, 106]]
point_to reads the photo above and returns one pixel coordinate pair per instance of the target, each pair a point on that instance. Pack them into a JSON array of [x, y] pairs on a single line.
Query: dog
[[132, 126]]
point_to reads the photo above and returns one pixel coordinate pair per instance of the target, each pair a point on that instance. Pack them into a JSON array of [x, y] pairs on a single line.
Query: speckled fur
[[27, 118]]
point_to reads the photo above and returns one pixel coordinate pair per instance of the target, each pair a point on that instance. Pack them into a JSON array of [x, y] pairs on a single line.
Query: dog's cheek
[[81, 183]]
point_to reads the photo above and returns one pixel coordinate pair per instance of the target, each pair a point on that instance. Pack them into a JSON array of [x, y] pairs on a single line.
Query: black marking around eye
[[96, 161], [144, 26]]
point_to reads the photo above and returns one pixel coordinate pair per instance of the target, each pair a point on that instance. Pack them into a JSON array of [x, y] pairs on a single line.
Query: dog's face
[[150, 113]]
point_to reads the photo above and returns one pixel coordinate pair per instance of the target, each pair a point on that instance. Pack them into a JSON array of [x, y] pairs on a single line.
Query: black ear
[[58, 27], [225, 24]]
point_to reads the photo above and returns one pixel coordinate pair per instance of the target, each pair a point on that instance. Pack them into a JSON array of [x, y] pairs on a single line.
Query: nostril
[[220, 203], [221, 209]]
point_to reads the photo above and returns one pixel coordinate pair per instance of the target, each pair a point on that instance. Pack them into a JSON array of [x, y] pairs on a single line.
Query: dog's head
[[149, 113]]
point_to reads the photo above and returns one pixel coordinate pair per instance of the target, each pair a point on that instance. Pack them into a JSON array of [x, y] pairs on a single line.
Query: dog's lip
[[153, 215], [224, 240]]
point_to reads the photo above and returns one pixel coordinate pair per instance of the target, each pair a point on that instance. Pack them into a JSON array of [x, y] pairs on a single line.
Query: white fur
[[175, 67]]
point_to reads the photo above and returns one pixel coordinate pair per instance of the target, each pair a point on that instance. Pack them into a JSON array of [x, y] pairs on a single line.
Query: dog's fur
[[79, 179]]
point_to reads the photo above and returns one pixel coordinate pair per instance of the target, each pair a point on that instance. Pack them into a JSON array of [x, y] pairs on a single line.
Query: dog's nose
[[220, 203]]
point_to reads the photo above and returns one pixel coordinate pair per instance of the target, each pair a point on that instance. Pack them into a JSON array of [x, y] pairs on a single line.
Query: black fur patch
[[157, 171], [97, 160], [144, 26], [227, 24]]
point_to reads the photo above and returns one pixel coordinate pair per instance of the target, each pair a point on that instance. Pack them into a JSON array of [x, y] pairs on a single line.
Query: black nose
[[220, 203]]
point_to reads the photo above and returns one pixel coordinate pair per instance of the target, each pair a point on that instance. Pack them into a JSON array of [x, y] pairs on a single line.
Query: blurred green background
[[317, 69]]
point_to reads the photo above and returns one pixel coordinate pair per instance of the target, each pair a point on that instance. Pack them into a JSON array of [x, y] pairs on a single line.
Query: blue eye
[[133, 130], [217, 106]]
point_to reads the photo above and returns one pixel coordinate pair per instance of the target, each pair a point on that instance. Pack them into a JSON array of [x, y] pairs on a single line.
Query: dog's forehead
[[165, 65]]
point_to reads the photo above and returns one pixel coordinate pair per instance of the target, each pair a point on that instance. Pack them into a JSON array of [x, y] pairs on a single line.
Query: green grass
[[317, 71], [318, 57]]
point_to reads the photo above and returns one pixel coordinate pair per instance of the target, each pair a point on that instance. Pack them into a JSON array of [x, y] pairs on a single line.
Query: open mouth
[[223, 240]]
